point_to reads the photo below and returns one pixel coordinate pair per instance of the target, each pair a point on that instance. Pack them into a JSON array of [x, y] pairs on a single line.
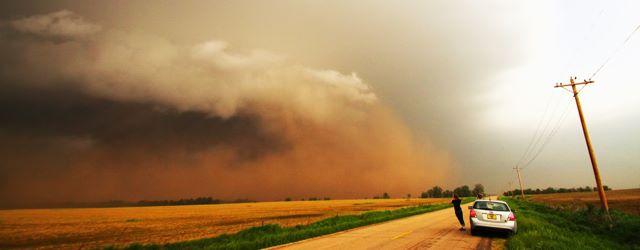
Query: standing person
[[456, 207]]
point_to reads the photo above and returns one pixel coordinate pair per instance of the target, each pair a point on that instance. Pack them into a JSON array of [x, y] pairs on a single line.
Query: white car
[[492, 215]]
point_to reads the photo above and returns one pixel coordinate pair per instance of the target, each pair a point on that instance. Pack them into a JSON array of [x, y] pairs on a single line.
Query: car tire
[[474, 232]]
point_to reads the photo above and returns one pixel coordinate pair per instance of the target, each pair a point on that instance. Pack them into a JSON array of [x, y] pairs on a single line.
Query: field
[[626, 200], [97, 227]]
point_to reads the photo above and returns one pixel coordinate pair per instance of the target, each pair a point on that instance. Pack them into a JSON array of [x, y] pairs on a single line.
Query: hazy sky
[[458, 88]]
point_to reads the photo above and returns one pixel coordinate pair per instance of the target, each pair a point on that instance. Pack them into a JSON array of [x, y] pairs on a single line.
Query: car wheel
[[474, 232]]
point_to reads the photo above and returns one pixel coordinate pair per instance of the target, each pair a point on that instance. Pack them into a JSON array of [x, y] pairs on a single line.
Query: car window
[[493, 206]]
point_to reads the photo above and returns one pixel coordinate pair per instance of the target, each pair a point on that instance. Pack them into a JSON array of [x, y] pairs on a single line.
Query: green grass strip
[[273, 234], [544, 227]]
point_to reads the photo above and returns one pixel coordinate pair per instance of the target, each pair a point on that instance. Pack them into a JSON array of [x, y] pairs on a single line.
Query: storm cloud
[[92, 113]]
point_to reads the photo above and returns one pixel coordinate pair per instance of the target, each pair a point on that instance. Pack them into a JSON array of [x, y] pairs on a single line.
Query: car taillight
[[472, 213], [512, 217]]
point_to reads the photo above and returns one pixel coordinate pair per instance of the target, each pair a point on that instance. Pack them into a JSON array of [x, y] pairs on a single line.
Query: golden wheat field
[[96, 227], [627, 200]]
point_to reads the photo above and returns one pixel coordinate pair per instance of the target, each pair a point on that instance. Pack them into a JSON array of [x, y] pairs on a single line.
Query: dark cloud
[[48, 133], [65, 112]]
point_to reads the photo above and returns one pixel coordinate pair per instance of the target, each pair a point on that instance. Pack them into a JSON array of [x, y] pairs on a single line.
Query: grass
[[272, 234], [544, 227]]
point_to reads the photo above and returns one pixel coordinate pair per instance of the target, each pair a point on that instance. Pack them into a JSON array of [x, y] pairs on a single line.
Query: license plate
[[491, 217]]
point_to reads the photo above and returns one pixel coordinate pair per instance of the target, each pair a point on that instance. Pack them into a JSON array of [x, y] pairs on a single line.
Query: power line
[[541, 135], [563, 116], [587, 36], [615, 52], [550, 135], [535, 135], [536, 139], [547, 126]]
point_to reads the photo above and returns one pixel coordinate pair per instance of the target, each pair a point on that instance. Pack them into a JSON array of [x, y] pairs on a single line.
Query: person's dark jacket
[[456, 204]]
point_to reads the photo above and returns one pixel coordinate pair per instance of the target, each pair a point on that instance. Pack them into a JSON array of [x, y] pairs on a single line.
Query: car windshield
[[493, 206]]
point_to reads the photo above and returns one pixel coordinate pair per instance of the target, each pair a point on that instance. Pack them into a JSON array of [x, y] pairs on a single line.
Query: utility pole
[[520, 180], [511, 190], [587, 138]]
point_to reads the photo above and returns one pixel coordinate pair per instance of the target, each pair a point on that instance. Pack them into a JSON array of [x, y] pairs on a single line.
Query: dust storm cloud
[[93, 113]]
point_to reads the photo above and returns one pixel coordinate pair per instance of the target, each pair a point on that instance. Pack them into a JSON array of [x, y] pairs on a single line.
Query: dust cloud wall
[[93, 113]]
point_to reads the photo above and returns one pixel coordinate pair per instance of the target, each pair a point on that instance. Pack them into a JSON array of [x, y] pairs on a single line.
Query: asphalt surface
[[435, 230]]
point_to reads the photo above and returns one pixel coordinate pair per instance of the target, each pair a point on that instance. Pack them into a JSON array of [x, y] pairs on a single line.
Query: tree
[[478, 189], [437, 191], [447, 193], [434, 192], [463, 191], [385, 196], [549, 190]]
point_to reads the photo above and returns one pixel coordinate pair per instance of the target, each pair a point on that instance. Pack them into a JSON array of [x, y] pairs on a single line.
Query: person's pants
[[460, 218]]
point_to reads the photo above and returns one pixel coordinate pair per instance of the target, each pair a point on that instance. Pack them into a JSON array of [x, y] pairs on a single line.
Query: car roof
[[498, 201]]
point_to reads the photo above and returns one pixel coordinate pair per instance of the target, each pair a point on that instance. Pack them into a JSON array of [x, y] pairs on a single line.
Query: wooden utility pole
[[520, 181], [587, 138], [511, 190]]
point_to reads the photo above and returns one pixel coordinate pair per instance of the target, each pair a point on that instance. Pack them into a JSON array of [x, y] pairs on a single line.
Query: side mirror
[[470, 207]]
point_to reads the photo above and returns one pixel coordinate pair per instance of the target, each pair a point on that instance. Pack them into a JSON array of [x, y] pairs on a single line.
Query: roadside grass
[[273, 234], [544, 227]]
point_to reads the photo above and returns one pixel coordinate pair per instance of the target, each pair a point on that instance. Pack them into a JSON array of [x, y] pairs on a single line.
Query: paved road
[[435, 230]]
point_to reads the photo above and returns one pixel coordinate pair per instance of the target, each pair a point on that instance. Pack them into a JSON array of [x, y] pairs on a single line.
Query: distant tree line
[[142, 203], [551, 190], [385, 195], [180, 202], [310, 199], [461, 191], [191, 201]]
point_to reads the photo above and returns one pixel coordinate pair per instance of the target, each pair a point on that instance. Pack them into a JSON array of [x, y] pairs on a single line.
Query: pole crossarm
[[562, 85], [573, 84]]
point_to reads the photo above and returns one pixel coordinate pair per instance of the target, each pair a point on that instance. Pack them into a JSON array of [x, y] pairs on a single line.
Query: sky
[[347, 99]]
